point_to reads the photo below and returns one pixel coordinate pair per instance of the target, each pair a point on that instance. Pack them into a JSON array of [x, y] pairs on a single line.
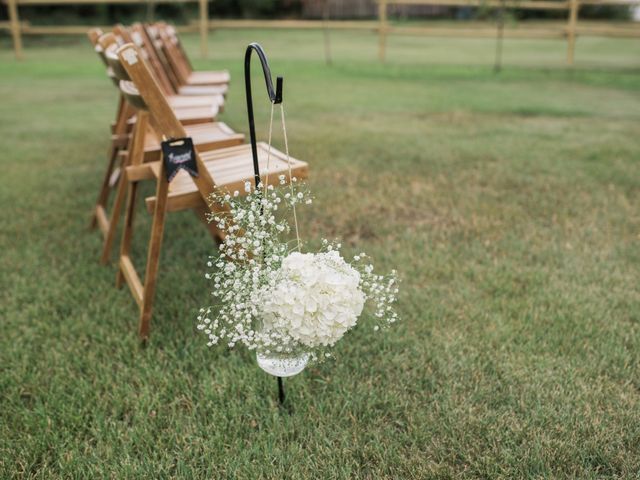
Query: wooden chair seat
[[209, 78], [230, 168], [200, 90], [179, 101], [195, 115], [205, 137], [189, 116]]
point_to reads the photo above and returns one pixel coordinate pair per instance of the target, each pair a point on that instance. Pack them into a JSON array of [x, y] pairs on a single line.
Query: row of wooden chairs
[[161, 97]]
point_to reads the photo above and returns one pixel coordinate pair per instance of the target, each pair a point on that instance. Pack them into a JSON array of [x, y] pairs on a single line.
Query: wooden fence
[[19, 28], [571, 30]]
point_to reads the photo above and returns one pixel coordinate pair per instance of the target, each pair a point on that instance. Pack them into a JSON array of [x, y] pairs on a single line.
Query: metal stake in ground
[[275, 97]]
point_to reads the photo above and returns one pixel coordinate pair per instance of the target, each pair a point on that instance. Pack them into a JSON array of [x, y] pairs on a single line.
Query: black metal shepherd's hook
[[275, 97]]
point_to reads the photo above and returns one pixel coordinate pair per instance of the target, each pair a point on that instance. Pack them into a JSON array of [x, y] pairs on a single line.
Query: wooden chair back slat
[[138, 36], [132, 95], [94, 34], [184, 58], [168, 52], [155, 44], [106, 40], [173, 55], [121, 32], [113, 62]]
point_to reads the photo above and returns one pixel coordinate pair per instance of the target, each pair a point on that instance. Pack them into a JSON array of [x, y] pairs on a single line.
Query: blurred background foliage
[[339, 9]]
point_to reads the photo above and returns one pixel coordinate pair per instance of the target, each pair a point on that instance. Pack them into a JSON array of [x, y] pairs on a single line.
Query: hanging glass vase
[[282, 364]]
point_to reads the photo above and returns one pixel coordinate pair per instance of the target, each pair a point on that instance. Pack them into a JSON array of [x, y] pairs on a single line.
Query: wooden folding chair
[[204, 98], [178, 55], [95, 34], [227, 168], [189, 110], [144, 146], [119, 134], [181, 68], [161, 68]]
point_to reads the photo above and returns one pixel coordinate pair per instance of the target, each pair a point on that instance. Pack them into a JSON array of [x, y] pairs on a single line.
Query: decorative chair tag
[[179, 153]]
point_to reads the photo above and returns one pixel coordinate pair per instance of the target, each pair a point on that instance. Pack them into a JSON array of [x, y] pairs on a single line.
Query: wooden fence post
[[16, 34], [497, 66], [151, 11], [325, 28], [204, 28], [571, 30], [382, 29]]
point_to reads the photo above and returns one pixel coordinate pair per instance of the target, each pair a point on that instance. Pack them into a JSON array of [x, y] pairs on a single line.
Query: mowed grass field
[[510, 205]]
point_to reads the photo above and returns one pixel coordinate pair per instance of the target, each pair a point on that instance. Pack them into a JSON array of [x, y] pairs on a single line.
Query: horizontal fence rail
[[569, 30], [296, 24], [19, 28]]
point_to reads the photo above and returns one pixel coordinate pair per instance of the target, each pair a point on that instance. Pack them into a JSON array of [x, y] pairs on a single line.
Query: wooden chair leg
[[103, 195], [127, 233], [153, 256], [113, 221]]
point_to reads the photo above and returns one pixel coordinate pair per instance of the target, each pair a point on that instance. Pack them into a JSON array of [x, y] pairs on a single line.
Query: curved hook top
[[274, 96]]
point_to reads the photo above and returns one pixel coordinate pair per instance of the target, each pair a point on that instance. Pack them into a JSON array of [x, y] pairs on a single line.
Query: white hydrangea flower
[[315, 300]]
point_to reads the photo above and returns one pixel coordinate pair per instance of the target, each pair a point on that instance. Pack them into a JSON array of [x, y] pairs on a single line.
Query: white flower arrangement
[[315, 300], [271, 297]]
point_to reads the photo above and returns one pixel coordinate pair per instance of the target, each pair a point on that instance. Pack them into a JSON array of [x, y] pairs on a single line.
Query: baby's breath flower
[[272, 299]]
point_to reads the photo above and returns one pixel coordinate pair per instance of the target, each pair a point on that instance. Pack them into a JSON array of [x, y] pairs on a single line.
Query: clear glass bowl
[[282, 365]]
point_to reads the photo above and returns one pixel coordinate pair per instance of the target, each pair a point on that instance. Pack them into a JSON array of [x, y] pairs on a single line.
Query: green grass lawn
[[509, 204]]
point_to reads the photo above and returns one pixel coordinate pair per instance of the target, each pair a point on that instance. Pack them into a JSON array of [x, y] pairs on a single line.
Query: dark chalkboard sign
[[179, 153]]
